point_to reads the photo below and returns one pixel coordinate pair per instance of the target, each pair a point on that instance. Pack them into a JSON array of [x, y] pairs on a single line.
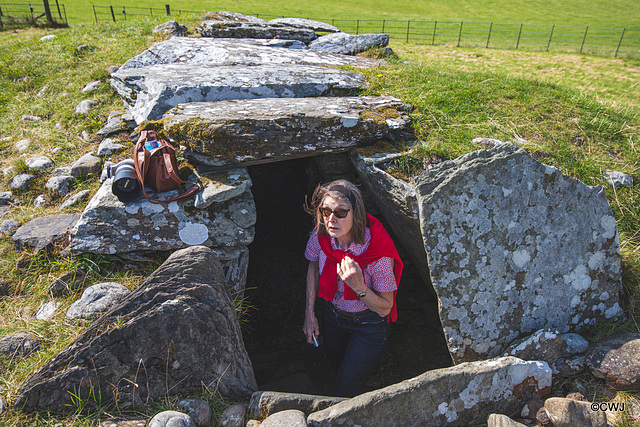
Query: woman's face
[[339, 228]]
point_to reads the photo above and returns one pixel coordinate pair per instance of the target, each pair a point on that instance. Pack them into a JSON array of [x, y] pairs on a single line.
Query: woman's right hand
[[311, 327]]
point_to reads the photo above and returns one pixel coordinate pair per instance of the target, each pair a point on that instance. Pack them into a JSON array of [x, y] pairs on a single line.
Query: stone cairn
[[483, 231]]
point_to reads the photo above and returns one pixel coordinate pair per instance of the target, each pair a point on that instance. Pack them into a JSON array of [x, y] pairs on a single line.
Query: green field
[[597, 13]]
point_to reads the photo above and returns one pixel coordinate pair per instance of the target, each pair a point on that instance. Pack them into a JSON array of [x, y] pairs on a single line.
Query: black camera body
[[126, 186]]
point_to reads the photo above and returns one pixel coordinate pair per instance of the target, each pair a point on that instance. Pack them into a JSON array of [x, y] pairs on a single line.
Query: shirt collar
[[354, 248]]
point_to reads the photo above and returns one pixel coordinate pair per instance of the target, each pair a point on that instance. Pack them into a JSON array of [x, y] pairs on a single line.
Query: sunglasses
[[340, 213]]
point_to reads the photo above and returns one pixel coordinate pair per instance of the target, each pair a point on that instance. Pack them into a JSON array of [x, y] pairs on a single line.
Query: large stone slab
[[152, 91], [305, 23], [349, 44], [462, 395], [515, 246], [246, 52], [239, 30], [228, 132], [45, 232], [616, 359], [174, 335]]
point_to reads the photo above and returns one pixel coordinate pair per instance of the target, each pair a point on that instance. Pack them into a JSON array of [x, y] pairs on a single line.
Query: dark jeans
[[353, 347]]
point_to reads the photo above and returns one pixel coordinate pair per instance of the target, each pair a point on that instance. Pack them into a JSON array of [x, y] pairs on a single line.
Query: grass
[[576, 112]]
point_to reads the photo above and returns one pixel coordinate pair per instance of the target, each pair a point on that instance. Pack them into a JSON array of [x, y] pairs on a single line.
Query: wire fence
[[13, 14]]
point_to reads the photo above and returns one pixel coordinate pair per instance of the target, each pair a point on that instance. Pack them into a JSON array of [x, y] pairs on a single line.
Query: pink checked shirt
[[377, 276]]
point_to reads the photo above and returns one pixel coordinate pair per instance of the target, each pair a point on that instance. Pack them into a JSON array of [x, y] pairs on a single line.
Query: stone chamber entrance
[[275, 295]]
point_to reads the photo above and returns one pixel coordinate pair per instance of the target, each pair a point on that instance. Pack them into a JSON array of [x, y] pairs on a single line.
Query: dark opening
[[282, 360]]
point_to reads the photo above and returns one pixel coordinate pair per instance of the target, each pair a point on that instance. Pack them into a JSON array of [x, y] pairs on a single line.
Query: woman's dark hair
[[347, 192]]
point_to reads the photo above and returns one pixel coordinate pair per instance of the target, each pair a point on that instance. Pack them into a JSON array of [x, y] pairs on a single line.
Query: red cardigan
[[380, 246]]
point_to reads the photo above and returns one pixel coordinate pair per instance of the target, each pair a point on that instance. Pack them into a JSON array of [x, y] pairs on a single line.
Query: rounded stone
[[19, 345], [233, 416], [40, 201], [21, 182], [60, 184], [85, 106], [39, 163], [8, 227], [23, 144], [615, 359], [171, 419], [96, 299], [565, 412], [290, 417], [197, 409]]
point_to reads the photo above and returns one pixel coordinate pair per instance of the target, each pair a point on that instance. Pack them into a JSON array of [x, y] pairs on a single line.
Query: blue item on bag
[[151, 145]]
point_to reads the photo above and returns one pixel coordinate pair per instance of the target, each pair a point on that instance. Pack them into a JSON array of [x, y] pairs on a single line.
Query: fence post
[[94, 14], [584, 38], [124, 12], [551, 35], [167, 8], [58, 7], [31, 10], [433, 40], [383, 22], [489, 36], [459, 34], [519, 34], [620, 42], [357, 26], [113, 15], [408, 25]]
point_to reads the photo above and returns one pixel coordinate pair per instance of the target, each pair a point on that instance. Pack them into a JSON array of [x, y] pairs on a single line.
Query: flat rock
[[39, 163], [499, 420], [95, 300], [47, 310], [515, 246], [617, 179], [221, 186], [289, 418], [242, 52], [108, 147], [79, 197], [239, 30], [85, 106], [118, 122], [615, 359], [30, 118], [85, 165], [224, 15], [44, 232], [348, 44], [318, 26], [229, 132], [60, 184], [20, 344], [181, 319], [171, 28], [21, 181], [464, 395], [570, 413], [152, 91], [265, 403], [108, 226], [171, 419]]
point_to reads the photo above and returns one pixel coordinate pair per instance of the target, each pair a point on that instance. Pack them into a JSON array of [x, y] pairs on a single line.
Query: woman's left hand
[[351, 274]]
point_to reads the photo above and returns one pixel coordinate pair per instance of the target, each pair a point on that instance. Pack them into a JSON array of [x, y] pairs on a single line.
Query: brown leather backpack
[[157, 168]]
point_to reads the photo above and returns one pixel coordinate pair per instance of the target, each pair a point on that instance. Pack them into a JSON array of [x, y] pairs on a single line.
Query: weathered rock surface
[[221, 186], [85, 106], [462, 395], [20, 344], [499, 420], [348, 44], [39, 163], [8, 227], [616, 178], [231, 132], [108, 226], [21, 181], [66, 282], [117, 122], [398, 202], [23, 144], [96, 299], [616, 359], [80, 196], [171, 28], [514, 246], [108, 147], [244, 52], [198, 410], [550, 346], [233, 416], [91, 86], [171, 419], [265, 403], [224, 15], [318, 26], [45, 232], [5, 198], [241, 30], [289, 418], [570, 413], [152, 91], [85, 165], [154, 343], [60, 184], [47, 310]]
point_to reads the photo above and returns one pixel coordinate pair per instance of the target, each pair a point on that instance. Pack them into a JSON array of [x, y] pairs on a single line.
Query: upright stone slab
[[228, 132], [305, 23], [245, 52], [515, 246], [152, 91], [239, 30], [348, 44], [174, 335], [462, 395]]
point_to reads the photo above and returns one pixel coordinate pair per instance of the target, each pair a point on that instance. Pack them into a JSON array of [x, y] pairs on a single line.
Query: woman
[[355, 268]]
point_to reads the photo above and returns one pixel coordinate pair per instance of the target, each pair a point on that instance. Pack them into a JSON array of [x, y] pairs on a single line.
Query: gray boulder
[[23, 144], [305, 23], [153, 343], [171, 419], [230, 132], [80, 196], [224, 15], [152, 91], [18, 345], [615, 359], [7, 228], [117, 122], [95, 300], [241, 52], [288, 418], [564, 412], [40, 201], [85, 165], [198, 410], [91, 86], [21, 181], [47, 310], [85, 106], [68, 281], [233, 416], [616, 179], [348, 44], [39, 163], [171, 28], [265, 403], [515, 246], [108, 147], [465, 394], [239, 30], [60, 184], [218, 187], [45, 232], [5, 198], [499, 420]]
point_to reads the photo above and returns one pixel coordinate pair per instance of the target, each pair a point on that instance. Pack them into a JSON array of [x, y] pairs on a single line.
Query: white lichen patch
[[193, 234]]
